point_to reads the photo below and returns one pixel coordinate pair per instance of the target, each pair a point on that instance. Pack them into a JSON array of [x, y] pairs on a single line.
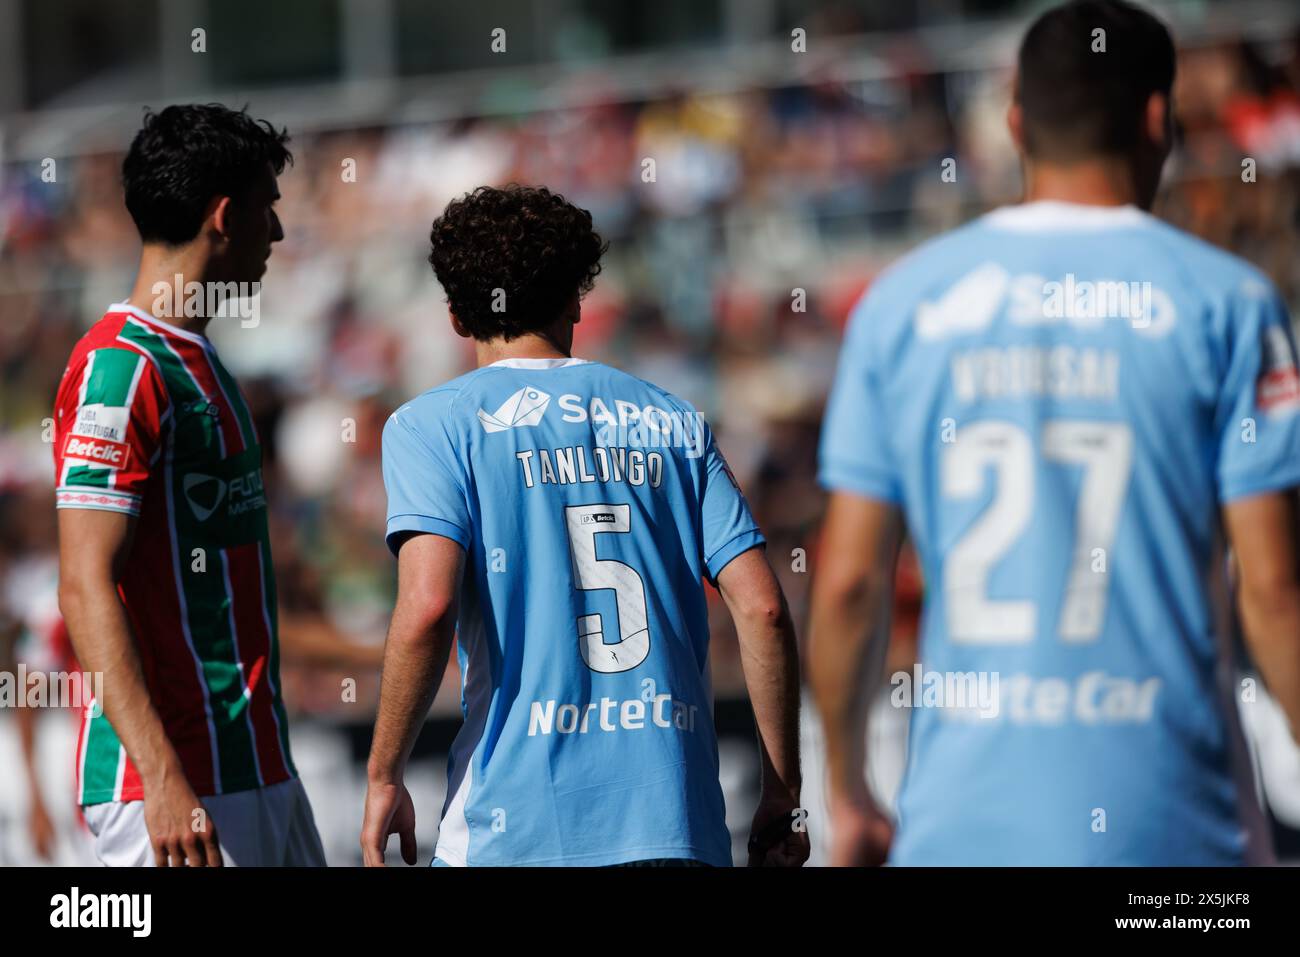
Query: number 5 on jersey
[[590, 573]]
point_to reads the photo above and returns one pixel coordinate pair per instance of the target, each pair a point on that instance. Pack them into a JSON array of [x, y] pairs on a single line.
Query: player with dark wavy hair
[[164, 555], [558, 517], [526, 249]]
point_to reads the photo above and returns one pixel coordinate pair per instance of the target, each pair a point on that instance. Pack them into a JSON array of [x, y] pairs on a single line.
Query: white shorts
[[264, 827]]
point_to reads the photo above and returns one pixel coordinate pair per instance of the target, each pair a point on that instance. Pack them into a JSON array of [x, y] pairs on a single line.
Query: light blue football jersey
[[1060, 398], [591, 506]]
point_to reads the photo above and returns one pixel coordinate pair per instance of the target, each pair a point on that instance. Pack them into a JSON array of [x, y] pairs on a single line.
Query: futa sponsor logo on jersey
[[205, 494], [113, 455]]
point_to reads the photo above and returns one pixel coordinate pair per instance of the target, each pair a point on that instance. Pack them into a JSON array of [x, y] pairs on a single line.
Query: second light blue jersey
[[591, 506], [1060, 398]]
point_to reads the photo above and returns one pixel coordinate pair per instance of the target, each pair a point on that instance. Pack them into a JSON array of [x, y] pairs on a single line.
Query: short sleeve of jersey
[[729, 528], [855, 455], [423, 476], [1258, 421], [108, 430]]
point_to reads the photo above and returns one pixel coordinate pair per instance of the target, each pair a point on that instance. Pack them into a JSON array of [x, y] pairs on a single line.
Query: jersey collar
[[553, 363], [1053, 215], [158, 323]]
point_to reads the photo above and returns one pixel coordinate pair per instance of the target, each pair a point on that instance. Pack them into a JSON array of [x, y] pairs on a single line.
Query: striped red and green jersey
[[149, 422]]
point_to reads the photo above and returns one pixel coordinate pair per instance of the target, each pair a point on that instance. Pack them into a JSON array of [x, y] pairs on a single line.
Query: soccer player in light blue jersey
[[1074, 409], [560, 517]]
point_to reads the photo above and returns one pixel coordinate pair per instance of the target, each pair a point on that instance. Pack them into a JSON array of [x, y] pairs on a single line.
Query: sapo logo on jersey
[[621, 423], [637, 426], [972, 303], [525, 408]]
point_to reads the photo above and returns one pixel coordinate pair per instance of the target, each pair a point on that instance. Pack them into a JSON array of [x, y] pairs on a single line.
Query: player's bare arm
[[769, 655], [1263, 530], [850, 594], [420, 636], [93, 547]]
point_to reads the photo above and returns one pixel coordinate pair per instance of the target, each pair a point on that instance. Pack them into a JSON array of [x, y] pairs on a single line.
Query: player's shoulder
[[927, 269], [636, 404], [106, 334], [926, 273], [622, 381], [490, 394], [103, 350], [434, 408], [455, 404], [1216, 272], [580, 376], [945, 254], [442, 398]]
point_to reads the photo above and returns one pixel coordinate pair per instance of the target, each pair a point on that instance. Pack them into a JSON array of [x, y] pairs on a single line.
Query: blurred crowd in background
[[742, 227]]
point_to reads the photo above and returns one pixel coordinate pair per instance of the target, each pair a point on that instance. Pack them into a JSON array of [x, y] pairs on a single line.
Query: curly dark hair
[[524, 241], [184, 156]]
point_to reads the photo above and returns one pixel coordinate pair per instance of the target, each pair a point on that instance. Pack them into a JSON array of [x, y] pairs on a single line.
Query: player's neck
[[162, 284], [1091, 183], [530, 346]]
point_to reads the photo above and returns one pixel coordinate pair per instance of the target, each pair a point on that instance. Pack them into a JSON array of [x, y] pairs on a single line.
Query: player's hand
[[389, 810], [778, 836], [180, 828], [860, 833], [41, 830]]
